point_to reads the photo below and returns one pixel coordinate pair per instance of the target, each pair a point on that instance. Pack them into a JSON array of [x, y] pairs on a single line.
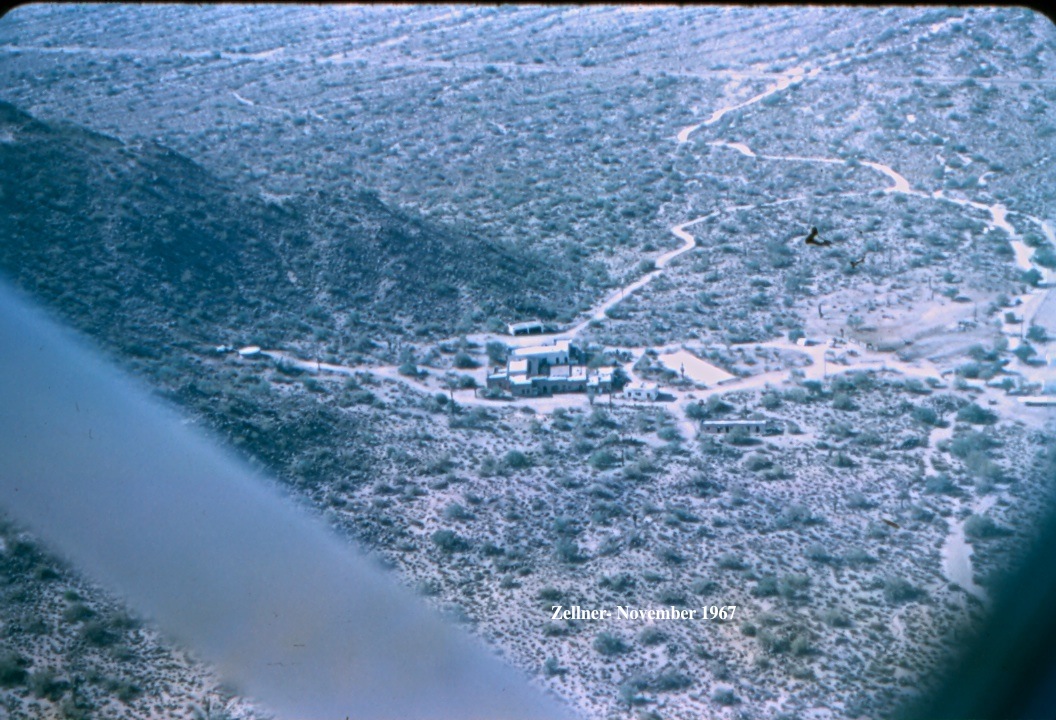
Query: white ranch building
[[642, 391], [549, 369], [724, 427], [532, 327]]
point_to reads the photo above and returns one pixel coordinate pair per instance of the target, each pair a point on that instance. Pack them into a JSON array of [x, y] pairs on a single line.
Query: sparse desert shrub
[[640, 469], [868, 439], [801, 645], [858, 501], [464, 361], [669, 433], [793, 587], [652, 635], [717, 406], [516, 460], [603, 459], [493, 393], [618, 583], [1032, 277], [842, 401], [554, 630], [475, 419], [980, 466], [361, 397], [78, 612], [915, 386], [671, 681], [564, 525], [777, 472], [703, 486], [630, 689], [671, 596], [796, 514], [964, 444], [818, 553], [731, 561], [976, 415], [1024, 351], [843, 460], [670, 556], [877, 531], [899, 590], [1037, 333], [725, 697], [758, 462], [981, 527], [77, 707], [840, 430], [836, 618], [568, 551], [941, 484], [920, 514], [449, 542], [696, 411], [550, 594], [13, 669], [98, 633], [771, 642], [682, 514], [45, 684], [610, 644], [455, 511], [553, 667], [497, 352], [814, 388], [766, 586], [704, 588]]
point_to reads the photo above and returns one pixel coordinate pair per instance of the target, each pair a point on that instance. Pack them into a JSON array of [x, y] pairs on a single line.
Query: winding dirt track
[[957, 563], [956, 553], [865, 358]]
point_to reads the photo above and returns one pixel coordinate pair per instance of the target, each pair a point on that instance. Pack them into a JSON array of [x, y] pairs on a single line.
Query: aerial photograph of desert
[[688, 362]]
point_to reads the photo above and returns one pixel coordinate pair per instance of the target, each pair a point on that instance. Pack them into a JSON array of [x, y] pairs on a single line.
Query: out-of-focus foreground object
[[192, 538]]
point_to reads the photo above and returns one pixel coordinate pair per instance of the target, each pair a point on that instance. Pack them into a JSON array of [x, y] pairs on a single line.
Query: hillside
[[142, 246]]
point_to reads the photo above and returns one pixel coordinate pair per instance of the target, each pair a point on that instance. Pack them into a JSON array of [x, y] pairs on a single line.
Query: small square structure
[[642, 391]]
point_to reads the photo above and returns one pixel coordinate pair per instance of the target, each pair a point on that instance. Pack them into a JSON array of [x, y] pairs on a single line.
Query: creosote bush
[[609, 644]]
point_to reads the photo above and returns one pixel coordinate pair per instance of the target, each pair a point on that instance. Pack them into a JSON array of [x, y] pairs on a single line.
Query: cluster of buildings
[[559, 367]]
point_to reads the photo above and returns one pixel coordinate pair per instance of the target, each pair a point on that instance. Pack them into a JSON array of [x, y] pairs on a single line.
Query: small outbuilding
[[642, 391], [532, 327], [724, 427]]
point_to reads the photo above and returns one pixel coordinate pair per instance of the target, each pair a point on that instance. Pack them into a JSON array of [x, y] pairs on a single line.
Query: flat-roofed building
[[642, 391], [548, 370], [541, 357], [532, 327], [724, 427]]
